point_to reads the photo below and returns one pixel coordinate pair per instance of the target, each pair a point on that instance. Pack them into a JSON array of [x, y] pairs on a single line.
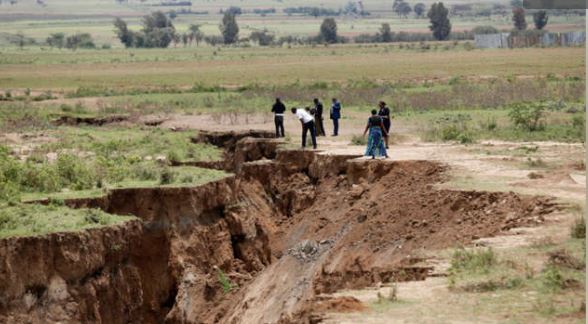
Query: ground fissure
[[260, 246]]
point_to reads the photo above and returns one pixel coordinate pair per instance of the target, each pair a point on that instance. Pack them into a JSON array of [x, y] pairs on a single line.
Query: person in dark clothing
[[307, 122], [278, 109], [335, 116], [318, 117], [384, 112], [375, 145]]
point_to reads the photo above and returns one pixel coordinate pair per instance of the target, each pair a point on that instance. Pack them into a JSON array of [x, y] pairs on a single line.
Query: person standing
[[318, 117], [307, 122], [375, 145], [336, 115], [384, 112], [278, 109]]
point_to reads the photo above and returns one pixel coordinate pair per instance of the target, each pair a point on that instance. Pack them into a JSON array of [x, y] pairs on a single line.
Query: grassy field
[[273, 66]]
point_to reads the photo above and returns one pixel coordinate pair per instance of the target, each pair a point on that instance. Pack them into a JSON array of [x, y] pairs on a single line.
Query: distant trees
[[518, 18], [540, 19], [419, 9], [229, 28], [73, 42], [195, 34], [481, 30], [76, 41], [158, 31], [311, 11], [328, 31], [233, 11], [440, 24], [56, 40], [263, 38], [385, 34], [401, 8]]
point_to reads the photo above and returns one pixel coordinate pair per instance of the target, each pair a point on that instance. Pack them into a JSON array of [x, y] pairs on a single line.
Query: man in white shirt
[[307, 122]]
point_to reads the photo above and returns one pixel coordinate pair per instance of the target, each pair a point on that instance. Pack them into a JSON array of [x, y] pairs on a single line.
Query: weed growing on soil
[[474, 261], [224, 281], [358, 140]]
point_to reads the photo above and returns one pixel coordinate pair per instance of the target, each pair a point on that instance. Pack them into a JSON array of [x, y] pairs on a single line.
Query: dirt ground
[[307, 236], [491, 166]]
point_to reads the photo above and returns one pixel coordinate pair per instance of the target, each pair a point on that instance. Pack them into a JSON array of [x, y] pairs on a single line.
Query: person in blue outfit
[[375, 145], [335, 116]]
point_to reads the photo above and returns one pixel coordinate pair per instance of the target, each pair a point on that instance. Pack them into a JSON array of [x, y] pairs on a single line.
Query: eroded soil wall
[[282, 231]]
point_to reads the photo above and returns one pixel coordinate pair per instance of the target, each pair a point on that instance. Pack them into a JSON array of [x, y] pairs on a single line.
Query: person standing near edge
[[336, 115], [318, 117], [278, 109], [307, 122], [384, 112], [375, 144]]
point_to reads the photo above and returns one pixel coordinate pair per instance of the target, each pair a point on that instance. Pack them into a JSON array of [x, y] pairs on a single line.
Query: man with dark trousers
[[307, 122], [335, 116], [318, 117], [278, 109]]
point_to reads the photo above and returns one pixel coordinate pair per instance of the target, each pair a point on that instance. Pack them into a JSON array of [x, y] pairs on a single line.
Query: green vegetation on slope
[[32, 219]]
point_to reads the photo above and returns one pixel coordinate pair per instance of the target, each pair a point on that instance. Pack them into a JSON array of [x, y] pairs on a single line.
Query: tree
[[419, 9], [234, 11], [440, 24], [328, 32], [263, 38], [404, 9], [484, 30], [401, 8], [79, 41], [540, 19], [158, 31], [229, 28], [56, 40], [518, 18], [123, 33], [196, 34], [385, 34]]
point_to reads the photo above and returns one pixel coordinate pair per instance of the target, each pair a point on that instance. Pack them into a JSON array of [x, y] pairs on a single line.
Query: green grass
[[33, 220], [235, 67], [181, 177], [133, 143], [471, 125], [494, 278]]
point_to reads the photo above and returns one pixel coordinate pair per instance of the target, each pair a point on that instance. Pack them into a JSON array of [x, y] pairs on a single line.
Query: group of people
[[311, 120]]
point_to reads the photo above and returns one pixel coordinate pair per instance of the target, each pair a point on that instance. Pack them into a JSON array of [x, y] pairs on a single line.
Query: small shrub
[[358, 140], [187, 179], [528, 116], [174, 156], [552, 279], [166, 176], [224, 281], [476, 261], [579, 229]]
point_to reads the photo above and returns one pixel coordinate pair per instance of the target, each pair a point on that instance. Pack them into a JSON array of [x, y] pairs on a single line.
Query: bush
[[475, 261], [358, 140], [528, 116], [74, 172], [167, 176], [579, 229], [483, 30]]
